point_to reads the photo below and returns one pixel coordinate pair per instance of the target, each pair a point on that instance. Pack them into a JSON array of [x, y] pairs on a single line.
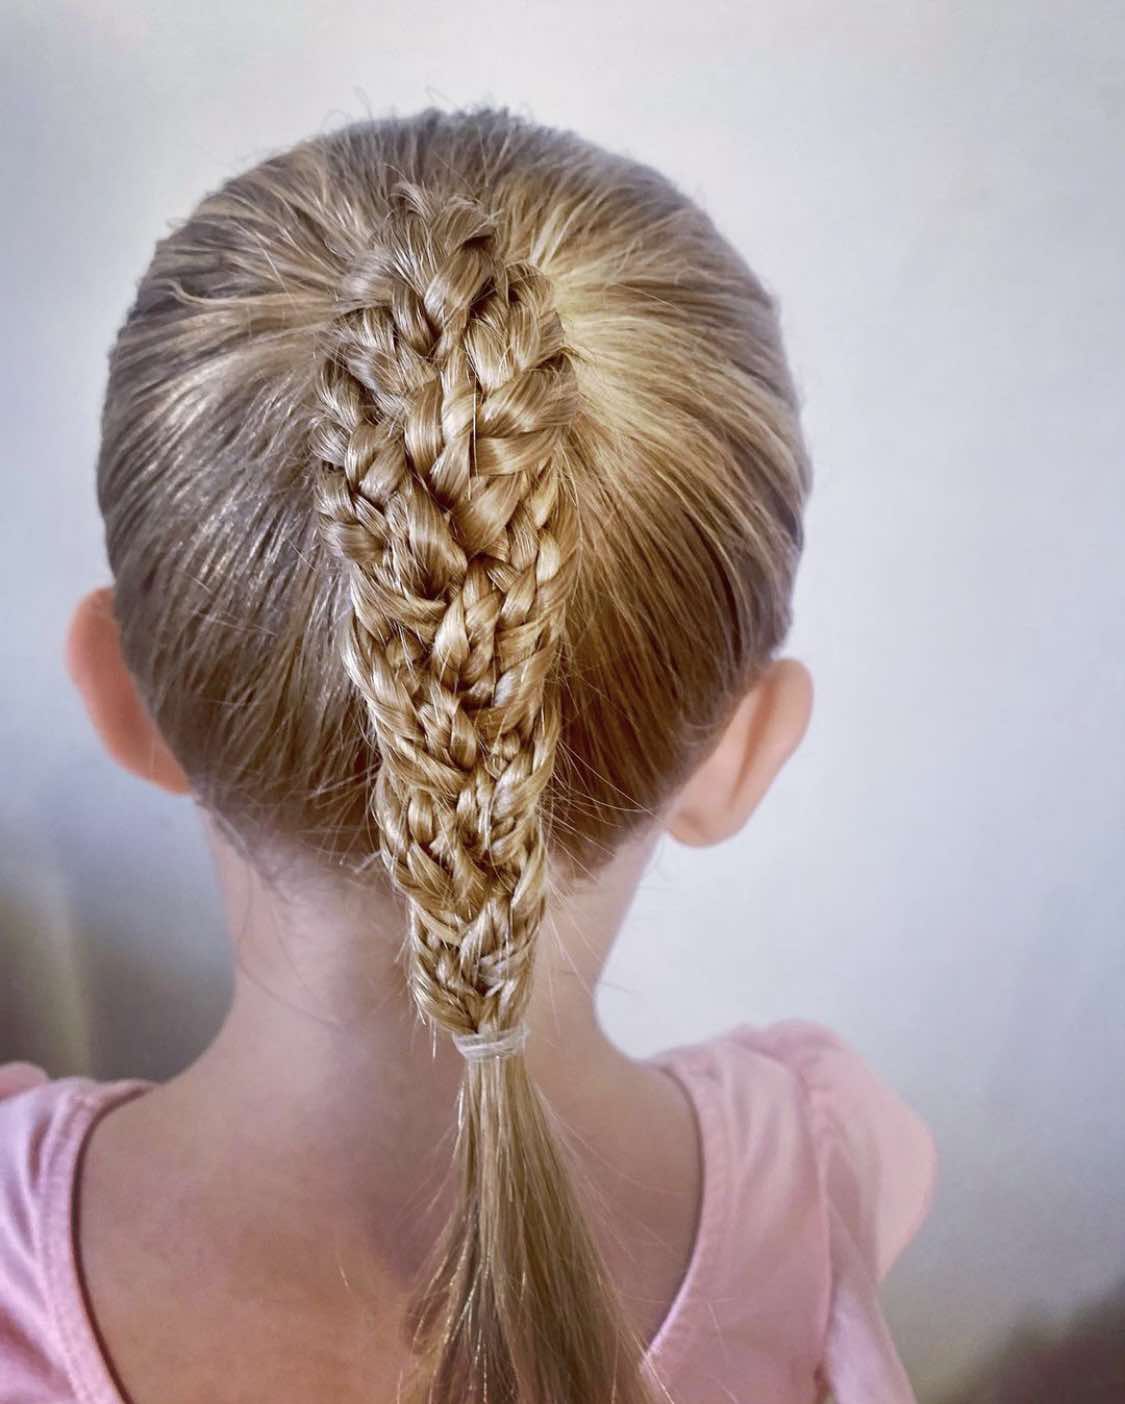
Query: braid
[[444, 397], [443, 400]]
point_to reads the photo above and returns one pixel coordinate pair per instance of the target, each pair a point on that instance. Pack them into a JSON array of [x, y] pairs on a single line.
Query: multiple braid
[[443, 399], [444, 394]]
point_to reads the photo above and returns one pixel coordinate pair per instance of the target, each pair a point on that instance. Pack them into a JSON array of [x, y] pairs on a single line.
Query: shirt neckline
[[667, 1348], [87, 1358]]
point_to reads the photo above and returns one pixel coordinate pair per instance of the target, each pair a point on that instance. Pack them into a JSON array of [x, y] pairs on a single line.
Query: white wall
[[936, 192]]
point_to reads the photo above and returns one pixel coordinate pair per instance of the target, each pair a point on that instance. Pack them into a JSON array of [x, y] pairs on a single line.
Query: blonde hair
[[452, 479]]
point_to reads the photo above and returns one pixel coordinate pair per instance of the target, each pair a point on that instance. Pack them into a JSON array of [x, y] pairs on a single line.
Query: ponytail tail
[[519, 1307]]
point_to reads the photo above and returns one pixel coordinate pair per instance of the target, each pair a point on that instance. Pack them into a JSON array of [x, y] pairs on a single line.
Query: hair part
[[452, 478]]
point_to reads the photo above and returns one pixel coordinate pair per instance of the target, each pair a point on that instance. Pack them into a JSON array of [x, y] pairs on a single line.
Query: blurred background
[[936, 192]]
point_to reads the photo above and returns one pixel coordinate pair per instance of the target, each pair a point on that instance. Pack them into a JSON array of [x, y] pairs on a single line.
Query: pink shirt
[[815, 1177]]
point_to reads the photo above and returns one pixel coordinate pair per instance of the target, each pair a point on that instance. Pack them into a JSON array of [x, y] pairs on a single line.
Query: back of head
[[452, 479]]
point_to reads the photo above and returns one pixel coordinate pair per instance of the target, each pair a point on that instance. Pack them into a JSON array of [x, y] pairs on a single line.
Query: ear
[[97, 668], [766, 729]]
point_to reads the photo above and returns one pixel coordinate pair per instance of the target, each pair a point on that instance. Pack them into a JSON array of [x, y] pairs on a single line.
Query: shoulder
[[877, 1156], [40, 1121], [794, 1092], [816, 1176], [33, 1111], [877, 1167]]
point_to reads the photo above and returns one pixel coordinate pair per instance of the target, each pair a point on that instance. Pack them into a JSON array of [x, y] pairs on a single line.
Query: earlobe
[[765, 730], [97, 668]]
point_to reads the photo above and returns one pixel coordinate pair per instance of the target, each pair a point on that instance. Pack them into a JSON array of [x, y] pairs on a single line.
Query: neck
[[324, 1090]]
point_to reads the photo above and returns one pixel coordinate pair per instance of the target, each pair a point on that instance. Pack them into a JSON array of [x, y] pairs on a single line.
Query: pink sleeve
[[17, 1077], [877, 1155], [877, 1165]]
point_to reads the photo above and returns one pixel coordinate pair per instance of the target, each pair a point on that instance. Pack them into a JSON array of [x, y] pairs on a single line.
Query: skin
[[305, 1148]]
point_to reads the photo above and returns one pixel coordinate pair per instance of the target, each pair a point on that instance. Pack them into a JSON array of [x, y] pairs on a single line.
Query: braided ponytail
[[444, 395]]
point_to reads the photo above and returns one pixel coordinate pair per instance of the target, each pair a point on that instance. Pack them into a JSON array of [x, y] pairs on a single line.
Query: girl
[[453, 483]]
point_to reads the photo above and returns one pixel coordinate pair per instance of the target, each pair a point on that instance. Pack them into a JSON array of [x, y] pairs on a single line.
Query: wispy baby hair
[[453, 478]]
